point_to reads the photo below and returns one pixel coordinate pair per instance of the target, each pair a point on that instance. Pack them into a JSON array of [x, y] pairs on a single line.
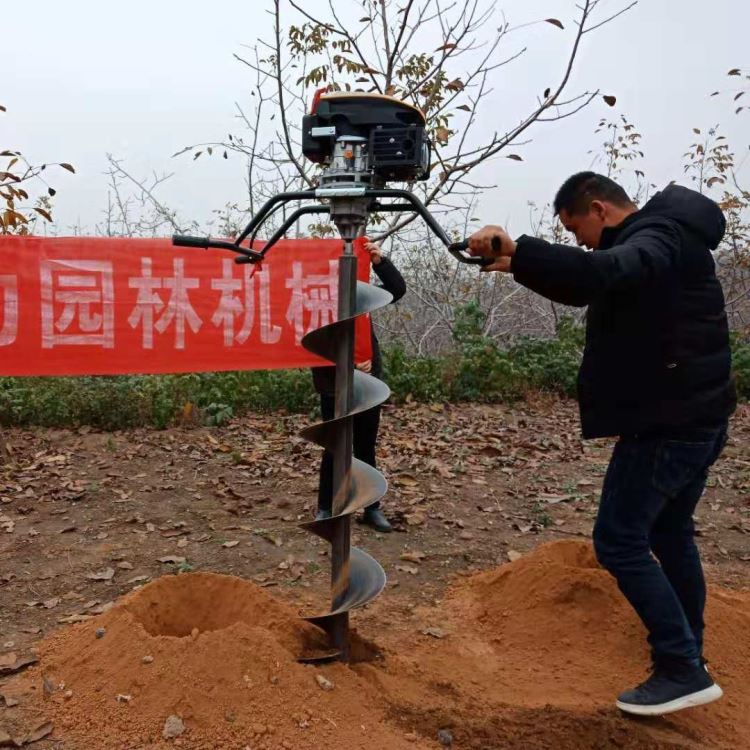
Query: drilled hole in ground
[[178, 605]]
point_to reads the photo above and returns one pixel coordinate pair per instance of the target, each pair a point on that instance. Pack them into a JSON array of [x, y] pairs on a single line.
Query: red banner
[[102, 306]]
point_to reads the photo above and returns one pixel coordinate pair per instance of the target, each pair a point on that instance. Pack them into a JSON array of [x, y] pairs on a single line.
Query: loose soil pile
[[537, 651], [526, 656]]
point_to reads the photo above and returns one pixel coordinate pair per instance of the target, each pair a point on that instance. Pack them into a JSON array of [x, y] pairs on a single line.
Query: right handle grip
[[459, 250]]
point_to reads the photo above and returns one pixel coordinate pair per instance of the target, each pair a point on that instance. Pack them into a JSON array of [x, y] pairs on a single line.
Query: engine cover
[[398, 146]]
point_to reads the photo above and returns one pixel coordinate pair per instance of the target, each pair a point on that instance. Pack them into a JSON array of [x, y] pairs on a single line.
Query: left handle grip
[[188, 240]]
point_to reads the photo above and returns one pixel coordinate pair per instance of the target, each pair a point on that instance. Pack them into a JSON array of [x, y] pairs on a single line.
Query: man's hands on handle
[[493, 242]]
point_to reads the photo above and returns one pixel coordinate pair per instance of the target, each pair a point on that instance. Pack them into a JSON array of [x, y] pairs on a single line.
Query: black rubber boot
[[375, 518]]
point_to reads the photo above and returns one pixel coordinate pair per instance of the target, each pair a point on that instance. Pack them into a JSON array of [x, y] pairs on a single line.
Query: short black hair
[[577, 192]]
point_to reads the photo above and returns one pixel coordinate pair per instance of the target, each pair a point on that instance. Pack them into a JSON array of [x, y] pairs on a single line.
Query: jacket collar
[[610, 234]]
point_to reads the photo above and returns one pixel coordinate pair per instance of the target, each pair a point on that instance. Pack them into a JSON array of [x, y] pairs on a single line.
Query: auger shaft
[[342, 456]]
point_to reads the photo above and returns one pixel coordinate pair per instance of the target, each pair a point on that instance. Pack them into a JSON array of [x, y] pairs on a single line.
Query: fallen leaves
[[405, 480], [498, 473], [102, 575], [43, 730], [415, 556], [408, 569], [7, 524], [10, 663], [73, 619], [415, 519]]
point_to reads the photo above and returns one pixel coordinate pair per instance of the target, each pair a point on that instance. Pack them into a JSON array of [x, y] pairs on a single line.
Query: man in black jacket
[[656, 374], [366, 423]]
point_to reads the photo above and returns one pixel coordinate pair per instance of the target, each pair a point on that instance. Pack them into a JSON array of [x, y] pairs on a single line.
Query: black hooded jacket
[[657, 350]]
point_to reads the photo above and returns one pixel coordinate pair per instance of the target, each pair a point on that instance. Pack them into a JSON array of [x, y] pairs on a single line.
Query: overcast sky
[[142, 79]]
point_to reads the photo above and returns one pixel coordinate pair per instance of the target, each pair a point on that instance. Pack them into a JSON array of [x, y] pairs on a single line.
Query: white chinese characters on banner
[[177, 311], [77, 303], [237, 302], [9, 307], [316, 294]]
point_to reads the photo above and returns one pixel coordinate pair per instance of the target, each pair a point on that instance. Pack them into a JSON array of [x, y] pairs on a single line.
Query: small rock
[[194, 633], [230, 716], [173, 727], [434, 632], [513, 555], [148, 659], [323, 682], [6, 740], [68, 695], [259, 729], [49, 686], [411, 737], [100, 632], [123, 698], [445, 737]]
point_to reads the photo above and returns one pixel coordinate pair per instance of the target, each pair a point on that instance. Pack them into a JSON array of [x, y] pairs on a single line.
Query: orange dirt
[[528, 656]]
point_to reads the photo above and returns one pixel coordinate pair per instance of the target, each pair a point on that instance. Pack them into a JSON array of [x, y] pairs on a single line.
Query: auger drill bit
[[356, 578]]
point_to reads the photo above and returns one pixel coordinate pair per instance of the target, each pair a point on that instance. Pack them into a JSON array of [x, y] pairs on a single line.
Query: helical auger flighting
[[356, 577]]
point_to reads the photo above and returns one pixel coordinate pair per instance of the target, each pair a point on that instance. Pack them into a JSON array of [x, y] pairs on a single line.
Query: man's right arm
[[558, 272]]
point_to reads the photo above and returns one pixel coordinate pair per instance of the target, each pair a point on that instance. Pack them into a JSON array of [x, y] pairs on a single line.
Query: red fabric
[[92, 306]]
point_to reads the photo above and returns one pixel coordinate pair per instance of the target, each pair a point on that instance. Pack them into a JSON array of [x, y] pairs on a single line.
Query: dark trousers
[[644, 534], [365, 437]]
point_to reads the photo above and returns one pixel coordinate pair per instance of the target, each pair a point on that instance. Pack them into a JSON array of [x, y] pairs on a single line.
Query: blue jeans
[[644, 533]]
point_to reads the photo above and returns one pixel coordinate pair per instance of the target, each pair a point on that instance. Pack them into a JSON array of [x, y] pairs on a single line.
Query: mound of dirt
[[528, 656], [218, 653], [537, 650]]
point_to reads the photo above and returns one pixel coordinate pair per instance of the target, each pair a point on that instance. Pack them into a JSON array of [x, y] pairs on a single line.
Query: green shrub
[[421, 378], [475, 370], [551, 364]]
